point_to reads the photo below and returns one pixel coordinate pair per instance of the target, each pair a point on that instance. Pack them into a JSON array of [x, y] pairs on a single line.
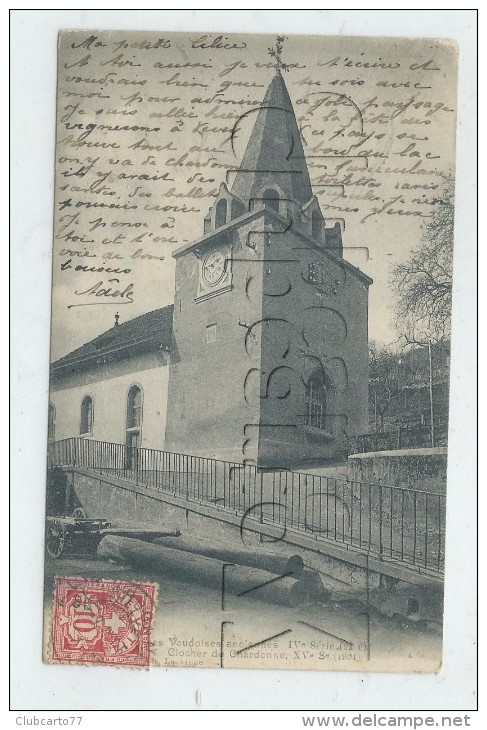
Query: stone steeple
[[274, 156], [273, 174]]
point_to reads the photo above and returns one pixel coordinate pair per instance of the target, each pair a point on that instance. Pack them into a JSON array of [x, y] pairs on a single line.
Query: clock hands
[[212, 265]]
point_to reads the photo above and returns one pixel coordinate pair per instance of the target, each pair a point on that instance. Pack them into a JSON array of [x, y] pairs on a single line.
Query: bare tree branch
[[423, 283], [383, 378]]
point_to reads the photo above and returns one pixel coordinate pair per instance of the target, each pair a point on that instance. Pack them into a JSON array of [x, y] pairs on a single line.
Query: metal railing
[[390, 522]]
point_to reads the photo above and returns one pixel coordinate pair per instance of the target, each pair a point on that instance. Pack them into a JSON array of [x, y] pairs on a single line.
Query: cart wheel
[[55, 538], [79, 513]]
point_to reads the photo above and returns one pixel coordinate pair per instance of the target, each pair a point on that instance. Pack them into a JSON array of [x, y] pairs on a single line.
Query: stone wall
[[308, 328], [422, 469], [207, 407]]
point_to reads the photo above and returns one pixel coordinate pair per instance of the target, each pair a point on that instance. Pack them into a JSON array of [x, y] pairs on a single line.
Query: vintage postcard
[[248, 418]]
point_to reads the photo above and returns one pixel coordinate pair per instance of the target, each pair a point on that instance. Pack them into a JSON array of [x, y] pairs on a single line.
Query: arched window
[[134, 407], [271, 199], [51, 423], [221, 213], [134, 427], [316, 225], [319, 393], [86, 425]]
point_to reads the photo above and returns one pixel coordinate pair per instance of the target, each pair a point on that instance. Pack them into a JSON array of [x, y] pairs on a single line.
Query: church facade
[[263, 358]]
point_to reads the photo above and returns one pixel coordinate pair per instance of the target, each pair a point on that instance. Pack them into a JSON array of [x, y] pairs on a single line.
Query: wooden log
[[239, 581], [291, 565], [312, 588]]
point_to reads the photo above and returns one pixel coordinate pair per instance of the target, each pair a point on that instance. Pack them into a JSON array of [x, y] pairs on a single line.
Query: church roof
[[274, 150], [149, 331]]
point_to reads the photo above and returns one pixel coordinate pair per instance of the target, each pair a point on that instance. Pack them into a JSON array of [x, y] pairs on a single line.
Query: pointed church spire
[[274, 157]]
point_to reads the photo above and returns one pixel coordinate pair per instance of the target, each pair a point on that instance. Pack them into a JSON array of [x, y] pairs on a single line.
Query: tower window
[[211, 332], [221, 213], [318, 396], [86, 425], [271, 199]]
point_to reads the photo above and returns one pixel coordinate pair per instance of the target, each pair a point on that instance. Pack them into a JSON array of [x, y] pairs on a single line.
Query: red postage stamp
[[102, 621]]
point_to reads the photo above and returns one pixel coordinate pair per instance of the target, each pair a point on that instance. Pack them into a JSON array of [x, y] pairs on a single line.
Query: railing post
[[380, 522], [351, 490], [261, 496], [439, 532], [187, 475], [391, 517], [415, 527]]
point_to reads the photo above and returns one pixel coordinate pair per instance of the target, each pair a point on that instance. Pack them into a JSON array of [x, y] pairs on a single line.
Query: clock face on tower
[[215, 271], [214, 266]]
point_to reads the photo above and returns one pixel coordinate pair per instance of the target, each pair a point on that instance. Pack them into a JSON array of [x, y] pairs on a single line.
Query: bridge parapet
[[398, 528]]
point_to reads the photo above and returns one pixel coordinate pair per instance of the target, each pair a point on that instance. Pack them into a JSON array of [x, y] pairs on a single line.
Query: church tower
[[269, 360]]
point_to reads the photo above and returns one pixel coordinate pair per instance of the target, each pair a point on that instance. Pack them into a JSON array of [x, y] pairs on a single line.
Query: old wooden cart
[[81, 536]]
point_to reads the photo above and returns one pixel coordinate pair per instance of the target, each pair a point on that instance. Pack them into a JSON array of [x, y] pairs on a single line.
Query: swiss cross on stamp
[[102, 621]]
